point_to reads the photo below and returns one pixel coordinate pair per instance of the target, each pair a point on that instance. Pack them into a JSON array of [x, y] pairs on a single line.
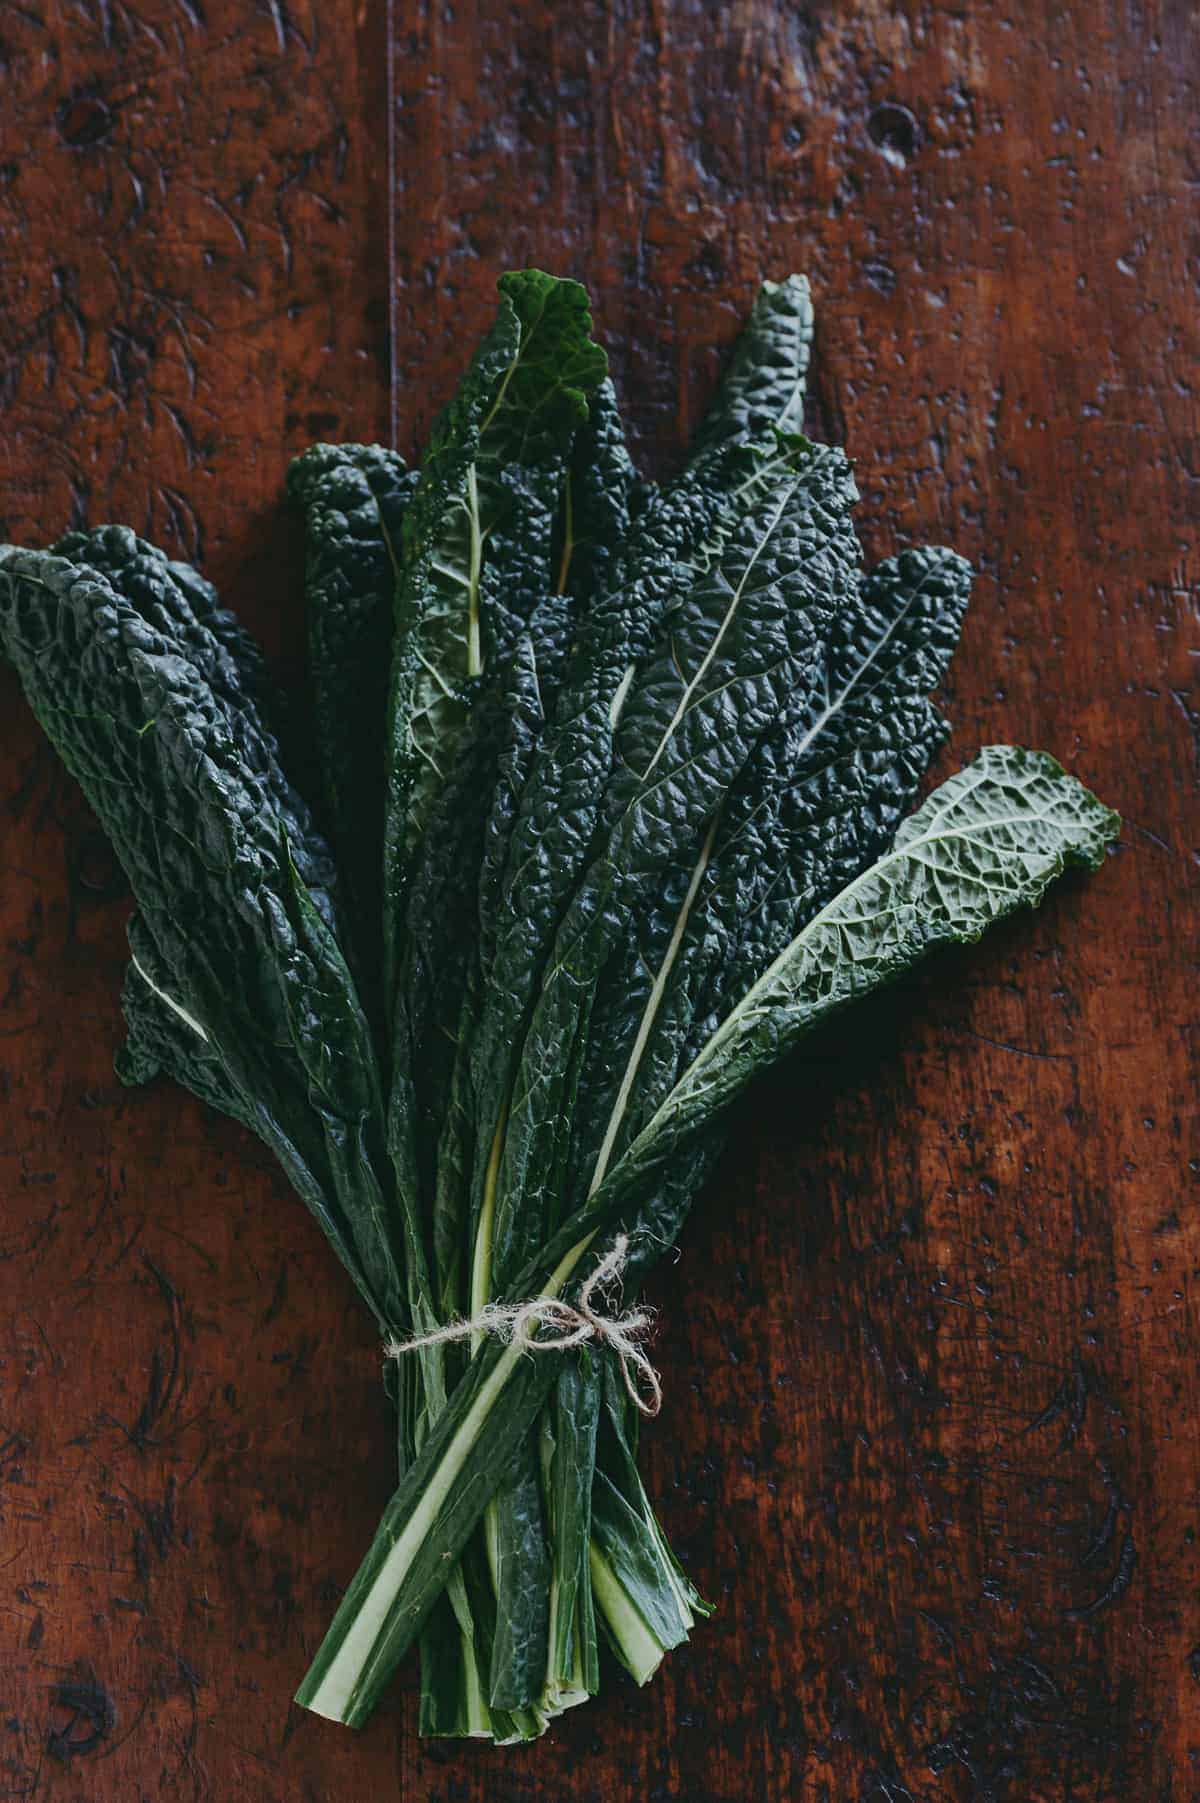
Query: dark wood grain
[[931, 1355]]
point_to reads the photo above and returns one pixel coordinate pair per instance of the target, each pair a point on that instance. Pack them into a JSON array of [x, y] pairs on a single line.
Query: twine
[[525, 1323]]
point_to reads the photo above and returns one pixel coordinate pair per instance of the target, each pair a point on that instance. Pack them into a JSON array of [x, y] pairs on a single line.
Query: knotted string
[[545, 1324]]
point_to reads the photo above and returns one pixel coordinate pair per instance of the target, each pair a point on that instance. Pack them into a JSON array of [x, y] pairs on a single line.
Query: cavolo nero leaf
[[478, 540], [216, 848], [603, 497], [988, 841], [821, 799], [450, 919], [822, 796], [447, 925], [451, 916], [762, 391], [764, 386], [477, 621], [436, 998], [476, 560], [453, 919], [176, 600], [353, 499], [677, 538], [831, 789]]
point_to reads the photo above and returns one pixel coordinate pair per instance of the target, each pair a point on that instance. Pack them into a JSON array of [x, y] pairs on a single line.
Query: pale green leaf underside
[[990, 840]]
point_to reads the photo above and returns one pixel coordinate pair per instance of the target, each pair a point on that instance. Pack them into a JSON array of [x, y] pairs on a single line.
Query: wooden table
[[931, 1352]]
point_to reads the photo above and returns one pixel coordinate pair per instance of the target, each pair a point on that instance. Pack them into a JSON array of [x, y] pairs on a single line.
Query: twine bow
[[544, 1324]]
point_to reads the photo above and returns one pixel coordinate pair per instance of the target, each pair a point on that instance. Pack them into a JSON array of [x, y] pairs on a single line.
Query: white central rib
[[653, 1001], [175, 1007]]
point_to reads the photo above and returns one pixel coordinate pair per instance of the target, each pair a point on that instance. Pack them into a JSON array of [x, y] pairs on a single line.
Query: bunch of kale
[[613, 787]]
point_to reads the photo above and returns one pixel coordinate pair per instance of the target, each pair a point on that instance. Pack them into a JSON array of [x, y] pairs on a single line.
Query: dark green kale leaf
[[604, 496], [453, 898], [821, 797], [452, 921], [178, 602], [478, 542], [454, 909], [216, 849], [764, 387], [354, 499], [481, 637], [989, 840]]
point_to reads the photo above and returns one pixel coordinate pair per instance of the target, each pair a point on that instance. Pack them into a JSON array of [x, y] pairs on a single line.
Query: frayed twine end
[[544, 1324]]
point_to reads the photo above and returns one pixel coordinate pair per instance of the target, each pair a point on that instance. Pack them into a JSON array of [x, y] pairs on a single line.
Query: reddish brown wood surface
[[931, 1352]]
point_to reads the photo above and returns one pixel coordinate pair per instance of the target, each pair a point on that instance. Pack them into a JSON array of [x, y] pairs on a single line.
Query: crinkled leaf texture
[[353, 499], [478, 541], [235, 941], [989, 840], [764, 386]]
